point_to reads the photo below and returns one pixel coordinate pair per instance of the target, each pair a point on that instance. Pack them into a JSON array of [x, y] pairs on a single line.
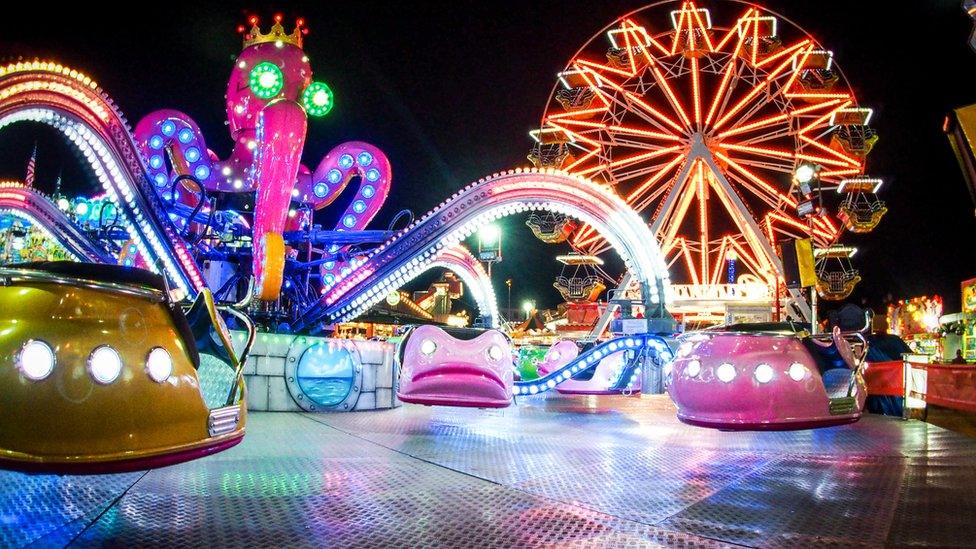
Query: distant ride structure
[[701, 120]]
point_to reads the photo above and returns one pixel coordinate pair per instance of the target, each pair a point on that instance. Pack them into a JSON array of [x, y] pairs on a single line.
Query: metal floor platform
[[553, 472]]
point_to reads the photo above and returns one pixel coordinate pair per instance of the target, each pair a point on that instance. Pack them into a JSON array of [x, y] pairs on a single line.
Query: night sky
[[450, 90]]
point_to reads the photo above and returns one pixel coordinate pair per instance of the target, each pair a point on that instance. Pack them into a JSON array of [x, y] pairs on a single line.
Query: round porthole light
[[159, 365], [797, 371], [725, 372], [36, 360], [428, 347], [763, 373], [693, 368], [495, 353], [317, 99], [105, 364], [266, 80]]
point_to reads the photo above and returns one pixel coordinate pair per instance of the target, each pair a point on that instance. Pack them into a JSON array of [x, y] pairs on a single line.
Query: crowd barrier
[[919, 383]]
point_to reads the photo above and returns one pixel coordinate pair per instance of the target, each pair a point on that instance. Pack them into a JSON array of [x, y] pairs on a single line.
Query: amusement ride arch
[[459, 260], [409, 253], [73, 104], [26, 203]]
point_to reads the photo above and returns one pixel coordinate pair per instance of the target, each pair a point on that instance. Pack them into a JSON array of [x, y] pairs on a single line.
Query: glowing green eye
[[317, 99], [266, 80]]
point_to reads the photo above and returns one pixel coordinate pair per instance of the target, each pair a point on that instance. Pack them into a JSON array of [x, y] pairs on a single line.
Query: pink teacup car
[[455, 367], [765, 380], [600, 380]]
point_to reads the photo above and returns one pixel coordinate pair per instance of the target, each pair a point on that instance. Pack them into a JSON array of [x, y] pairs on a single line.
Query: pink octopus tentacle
[[281, 138], [333, 174], [171, 139]]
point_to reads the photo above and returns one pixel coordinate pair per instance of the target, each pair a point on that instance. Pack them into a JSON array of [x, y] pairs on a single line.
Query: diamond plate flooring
[[553, 471]]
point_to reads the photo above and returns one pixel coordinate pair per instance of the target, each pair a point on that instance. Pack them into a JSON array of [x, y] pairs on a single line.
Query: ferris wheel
[[729, 131]]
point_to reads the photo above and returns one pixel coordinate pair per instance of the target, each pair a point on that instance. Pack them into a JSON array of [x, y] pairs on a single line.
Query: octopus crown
[[277, 33]]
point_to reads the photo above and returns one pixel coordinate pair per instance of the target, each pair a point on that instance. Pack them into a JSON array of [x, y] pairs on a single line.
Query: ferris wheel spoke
[[772, 84], [656, 193], [849, 160], [676, 41], [630, 26], [630, 144], [642, 133], [821, 120], [774, 137], [685, 252], [672, 219], [649, 175], [761, 183], [662, 82], [660, 174], [724, 91], [629, 160], [756, 90], [719, 260], [762, 101], [780, 167], [769, 151], [789, 221], [783, 118], [645, 108], [771, 200]]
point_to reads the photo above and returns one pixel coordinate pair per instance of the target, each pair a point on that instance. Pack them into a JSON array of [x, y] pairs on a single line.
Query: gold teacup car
[[98, 371]]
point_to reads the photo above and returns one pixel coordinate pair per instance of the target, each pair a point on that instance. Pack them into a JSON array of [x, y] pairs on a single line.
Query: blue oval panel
[[326, 374]]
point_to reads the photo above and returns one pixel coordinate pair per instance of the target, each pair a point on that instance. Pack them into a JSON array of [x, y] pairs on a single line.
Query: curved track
[[412, 250], [654, 348], [25, 202], [72, 103], [463, 263]]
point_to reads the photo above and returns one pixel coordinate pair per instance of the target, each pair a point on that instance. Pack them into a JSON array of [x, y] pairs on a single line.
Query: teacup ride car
[[778, 377], [99, 371], [455, 367]]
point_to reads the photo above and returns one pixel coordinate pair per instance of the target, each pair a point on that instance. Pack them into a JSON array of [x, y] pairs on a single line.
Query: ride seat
[[834, 370]]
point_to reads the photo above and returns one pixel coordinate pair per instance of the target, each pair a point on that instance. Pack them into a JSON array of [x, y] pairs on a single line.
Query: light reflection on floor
[[556, 471]]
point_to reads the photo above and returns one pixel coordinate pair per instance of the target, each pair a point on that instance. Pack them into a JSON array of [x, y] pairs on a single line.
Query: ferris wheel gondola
[[836, 275], [579, 281]]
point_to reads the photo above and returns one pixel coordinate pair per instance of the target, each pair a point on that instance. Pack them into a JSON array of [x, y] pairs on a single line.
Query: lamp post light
[[490, 245], [810, 204]]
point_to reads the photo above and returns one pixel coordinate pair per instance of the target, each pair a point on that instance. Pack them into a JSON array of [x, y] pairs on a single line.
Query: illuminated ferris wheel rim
[[599, 35], [776, 100]]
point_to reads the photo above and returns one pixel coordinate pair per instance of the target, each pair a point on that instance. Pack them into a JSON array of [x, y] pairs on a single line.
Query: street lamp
[[490, 245], [528, 307], [489, 235], [809, 205]]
